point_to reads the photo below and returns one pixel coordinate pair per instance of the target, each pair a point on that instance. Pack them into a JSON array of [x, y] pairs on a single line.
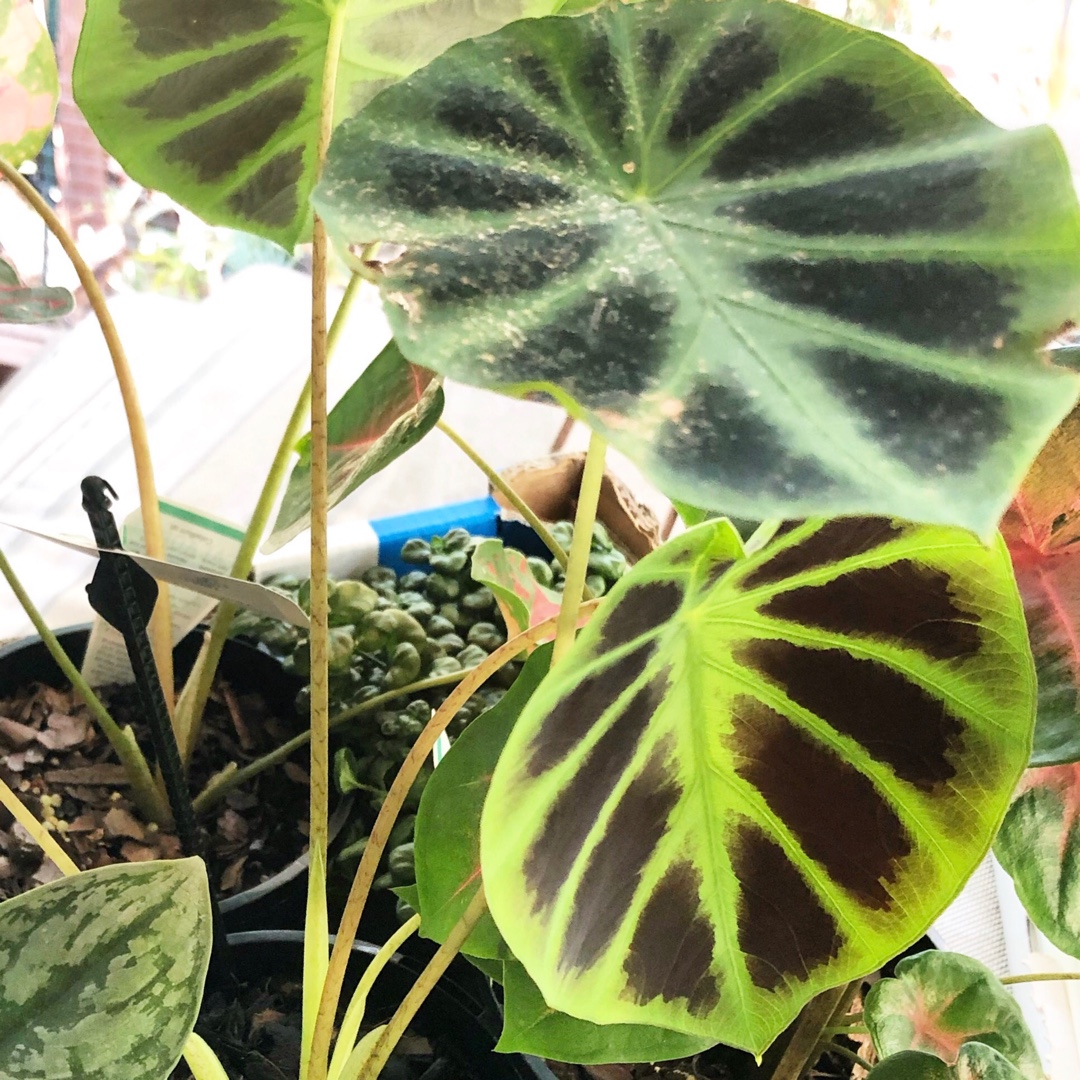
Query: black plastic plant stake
[[124, 594]]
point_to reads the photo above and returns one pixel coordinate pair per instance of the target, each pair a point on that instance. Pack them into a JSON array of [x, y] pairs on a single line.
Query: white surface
[[988, 923], [217, 382]]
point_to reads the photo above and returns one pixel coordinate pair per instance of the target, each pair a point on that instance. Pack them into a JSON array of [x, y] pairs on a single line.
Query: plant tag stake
[[195, 541], [123, 594]]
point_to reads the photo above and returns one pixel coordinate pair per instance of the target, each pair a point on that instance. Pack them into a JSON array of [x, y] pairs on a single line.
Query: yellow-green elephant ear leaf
[[757, 777]]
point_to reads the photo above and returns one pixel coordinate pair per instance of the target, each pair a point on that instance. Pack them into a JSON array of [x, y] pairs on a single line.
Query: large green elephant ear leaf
[[29, 84], [757, 777], [217, 102], [101, 974], [774, 258]]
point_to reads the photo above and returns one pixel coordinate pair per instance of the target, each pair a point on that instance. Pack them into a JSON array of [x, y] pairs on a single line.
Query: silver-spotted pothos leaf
[[774, 258], [757, 777], [101, 974], [216, 102], [29, 85], [941, 1001]]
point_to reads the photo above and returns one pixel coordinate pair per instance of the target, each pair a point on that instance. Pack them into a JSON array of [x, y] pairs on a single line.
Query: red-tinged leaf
[[1041, 529], [523, 601], [939, 1002], [21, 303], [387, 411], [1039, 846], [28, 82]]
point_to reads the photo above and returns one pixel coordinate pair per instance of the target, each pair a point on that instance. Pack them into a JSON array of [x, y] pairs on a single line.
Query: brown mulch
[[255, 1032], [63, 768]]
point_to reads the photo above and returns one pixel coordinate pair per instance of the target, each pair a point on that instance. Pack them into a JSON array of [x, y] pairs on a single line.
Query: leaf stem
[[144, 791], [160, 621], [418, 992], [1041, 976], [588, 497], [354, 1014], [507, 491], [196, 692], [314, 1060], [38, 831], [388, 813], [833, 1047], [815, 1018], [219, 786]]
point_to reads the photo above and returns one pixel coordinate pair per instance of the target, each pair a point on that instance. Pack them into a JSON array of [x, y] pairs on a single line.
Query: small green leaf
[[523, 601], [101, 974], [21, 303], [216, 102], [782, 764], [977, 1062], [691, 515], [773, 258], [29, 85], [1039, 847], [530, 1026], [938, 1002], [448, 822], [912, 1065], [981, 1062], [387, 411]]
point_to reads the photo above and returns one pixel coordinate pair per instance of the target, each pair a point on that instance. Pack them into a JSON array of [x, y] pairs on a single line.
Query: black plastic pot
[[277, 902], [459, 1018]]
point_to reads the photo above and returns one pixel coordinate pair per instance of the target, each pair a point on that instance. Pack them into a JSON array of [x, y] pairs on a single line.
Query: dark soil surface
[[64, 770], [256, 1035]]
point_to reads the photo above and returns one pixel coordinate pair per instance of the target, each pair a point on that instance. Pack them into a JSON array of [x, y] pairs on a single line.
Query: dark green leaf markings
[[758, 776], [773, 258], [217, 102]]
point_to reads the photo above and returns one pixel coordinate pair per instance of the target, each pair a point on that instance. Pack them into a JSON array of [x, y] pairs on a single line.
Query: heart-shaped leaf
[[1042, 528], [976, 1062], [1039, 847], [21, 303], [772, 257], [217, 102], [938, 1002], [981, 1062], [101, 974], [757, 777], [387, 411], [523, 601], [912, 1065], [29, 85], [448, 821], [448, 874]]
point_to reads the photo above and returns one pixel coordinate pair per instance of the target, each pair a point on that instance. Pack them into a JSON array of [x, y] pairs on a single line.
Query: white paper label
[[192, 541]]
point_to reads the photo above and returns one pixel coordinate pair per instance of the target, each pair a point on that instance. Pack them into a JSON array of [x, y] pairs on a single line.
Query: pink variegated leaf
[[387, 411]]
